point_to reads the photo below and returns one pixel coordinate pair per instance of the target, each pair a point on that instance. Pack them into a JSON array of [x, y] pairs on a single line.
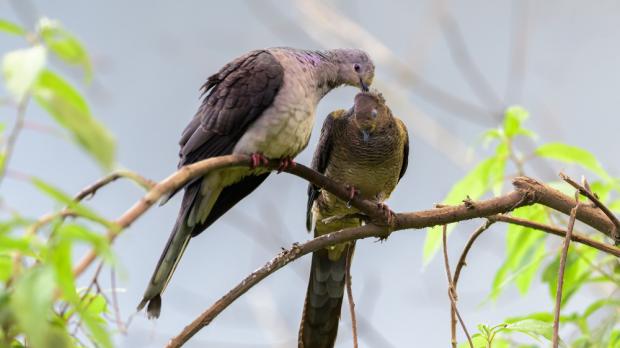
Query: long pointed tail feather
[[319, 324]]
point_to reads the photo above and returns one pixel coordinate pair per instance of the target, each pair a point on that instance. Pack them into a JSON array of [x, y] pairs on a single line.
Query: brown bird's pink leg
[[389, 214], [286, 163], [258, 159]]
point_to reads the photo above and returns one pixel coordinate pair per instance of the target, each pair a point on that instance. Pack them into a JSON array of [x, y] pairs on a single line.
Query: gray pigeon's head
[[355, 68]]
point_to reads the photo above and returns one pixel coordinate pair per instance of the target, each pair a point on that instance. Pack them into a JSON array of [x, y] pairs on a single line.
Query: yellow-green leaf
[[32, 304], [480, 180], [11, 28], [513, 118], [64, 45], [70, 110], [21, 69], [573, 155]]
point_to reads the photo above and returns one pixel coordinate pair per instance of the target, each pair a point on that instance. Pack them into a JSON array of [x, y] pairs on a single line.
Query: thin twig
[[90, 190], [575, 237], [452, 290], [12, 138], [350, 295], [459, 266], [587, 193], [117, 311], [558, 294]]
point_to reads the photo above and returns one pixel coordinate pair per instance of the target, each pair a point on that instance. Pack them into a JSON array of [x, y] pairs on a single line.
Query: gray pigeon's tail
[[168, 261], [319, 324]]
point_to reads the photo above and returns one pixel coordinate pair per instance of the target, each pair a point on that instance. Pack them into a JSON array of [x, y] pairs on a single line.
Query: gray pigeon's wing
[[403, 168], [237, 95], [321, 159]]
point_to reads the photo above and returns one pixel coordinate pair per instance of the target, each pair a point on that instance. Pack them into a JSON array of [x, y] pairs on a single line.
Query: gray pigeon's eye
[[357, 67], [373, 113]]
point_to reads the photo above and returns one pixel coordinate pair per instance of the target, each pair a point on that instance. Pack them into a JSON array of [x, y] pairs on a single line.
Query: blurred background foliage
[[43, 305]]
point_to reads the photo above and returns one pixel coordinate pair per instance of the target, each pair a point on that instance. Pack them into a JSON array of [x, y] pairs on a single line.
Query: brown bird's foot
[[286, 163], [352, 193], [387, 213], [258, 159]]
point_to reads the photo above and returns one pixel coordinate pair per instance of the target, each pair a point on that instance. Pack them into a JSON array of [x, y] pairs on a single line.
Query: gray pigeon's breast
[[285, 127]]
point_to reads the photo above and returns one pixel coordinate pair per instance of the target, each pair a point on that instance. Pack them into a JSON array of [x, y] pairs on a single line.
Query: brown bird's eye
[[357, 67]]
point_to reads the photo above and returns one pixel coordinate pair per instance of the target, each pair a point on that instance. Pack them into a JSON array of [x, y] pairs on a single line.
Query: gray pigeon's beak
[[363, 85]]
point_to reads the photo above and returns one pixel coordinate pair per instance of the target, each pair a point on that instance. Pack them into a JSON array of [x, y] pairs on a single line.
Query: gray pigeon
[[261, 104], [367, 148]]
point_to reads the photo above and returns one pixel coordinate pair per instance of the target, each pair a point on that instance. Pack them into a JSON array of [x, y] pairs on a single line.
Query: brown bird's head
[[370, 112], [355, 68]]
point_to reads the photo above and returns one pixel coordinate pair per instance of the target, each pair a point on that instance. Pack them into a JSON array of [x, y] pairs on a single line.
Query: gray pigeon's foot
[[257, 159], [352, 193], [387, 212], [286, 163]]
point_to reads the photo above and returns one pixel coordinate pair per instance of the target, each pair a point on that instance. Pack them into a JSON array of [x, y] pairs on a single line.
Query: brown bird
[[367, 148]]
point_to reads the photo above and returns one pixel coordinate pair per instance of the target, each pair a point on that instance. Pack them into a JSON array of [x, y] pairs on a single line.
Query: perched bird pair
[[262, 104]]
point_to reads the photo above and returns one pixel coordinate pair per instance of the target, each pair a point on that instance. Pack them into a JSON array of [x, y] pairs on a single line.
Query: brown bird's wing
[[403, 168], [321, 159]]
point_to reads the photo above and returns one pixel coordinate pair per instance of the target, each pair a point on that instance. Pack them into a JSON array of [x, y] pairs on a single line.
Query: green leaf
[[478, 340], [70, 110], [61, 197], [576, 273], [60, 258], [95, 323], [573, 155], [473, 185], [78, 233], [21, 69], [534, 328], [6, 267], [11, 28], [525, 250], [32, 304], [66, 46], [513, 117]]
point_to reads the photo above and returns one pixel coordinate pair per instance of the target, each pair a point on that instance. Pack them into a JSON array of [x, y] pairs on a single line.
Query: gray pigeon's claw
[[257, 159]]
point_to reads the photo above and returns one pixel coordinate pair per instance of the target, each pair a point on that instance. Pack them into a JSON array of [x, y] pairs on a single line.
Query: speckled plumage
[[262, 102], [373, 163]]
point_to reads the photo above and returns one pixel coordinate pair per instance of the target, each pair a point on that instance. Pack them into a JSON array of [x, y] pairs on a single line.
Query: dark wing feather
[[403, 168], [236, 96], [321, 159]]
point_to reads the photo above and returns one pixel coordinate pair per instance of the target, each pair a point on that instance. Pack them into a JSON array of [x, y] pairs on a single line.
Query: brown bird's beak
[[363, 85]]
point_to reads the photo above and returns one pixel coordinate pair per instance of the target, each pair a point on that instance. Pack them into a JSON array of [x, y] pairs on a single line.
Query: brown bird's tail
[[319, 323]]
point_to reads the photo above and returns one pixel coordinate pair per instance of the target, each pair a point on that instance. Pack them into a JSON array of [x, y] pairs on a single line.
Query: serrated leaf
[[513, 117], [21, 69], [11, 28], [573, 155], [70, 110], [60, 258], [64, 45], [32, 304]]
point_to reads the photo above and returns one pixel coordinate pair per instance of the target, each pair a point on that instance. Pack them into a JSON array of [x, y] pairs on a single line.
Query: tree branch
[[527, 192], [558, 293], [454, 311]]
